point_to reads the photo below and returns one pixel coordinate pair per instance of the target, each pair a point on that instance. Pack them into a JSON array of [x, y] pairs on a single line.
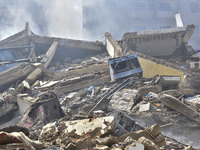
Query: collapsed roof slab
[[164, 42], [68, 47], [42, 43]]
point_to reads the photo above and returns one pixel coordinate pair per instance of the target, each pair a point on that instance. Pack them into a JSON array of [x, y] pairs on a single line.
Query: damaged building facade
[[61, 93]]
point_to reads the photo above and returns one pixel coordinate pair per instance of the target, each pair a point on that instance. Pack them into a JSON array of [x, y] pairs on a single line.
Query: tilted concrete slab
[[17, 73], [112, 47], [176, 104], [164, 42]]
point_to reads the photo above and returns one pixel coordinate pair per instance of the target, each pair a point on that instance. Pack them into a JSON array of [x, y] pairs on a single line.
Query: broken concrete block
[[160, 140], [98, 113], [194, 102], [150, 133], [144, 90], [144, 107], [148, 144], [135, 146], [124, 123], [90, 128], [106, 140], [84, 143], [155, 130], [123, 99], [169, 81], [116, 148], [33, 76], [189, 148], [71, 146], [129, 140], [101, 147]]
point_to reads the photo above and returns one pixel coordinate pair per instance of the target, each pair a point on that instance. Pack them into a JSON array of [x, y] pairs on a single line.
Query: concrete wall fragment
[[150, 69], [114, 50]]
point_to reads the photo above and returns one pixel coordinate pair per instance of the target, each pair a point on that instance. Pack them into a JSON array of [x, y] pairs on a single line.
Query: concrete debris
[[7, 140], [151, 133], [138, 41], [135, 146], [124, 123], [148, 144], [81, 128], [71, 94], [145, 107], [193, 101], [114, 49], [123, 99], [43, 110], [175, 104], [168, 81]]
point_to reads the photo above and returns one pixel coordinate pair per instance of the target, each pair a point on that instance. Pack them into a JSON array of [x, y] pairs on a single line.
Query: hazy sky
[[59, 18], [63, 18]]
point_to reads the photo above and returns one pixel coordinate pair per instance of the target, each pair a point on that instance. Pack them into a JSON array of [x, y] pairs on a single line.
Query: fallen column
[[49, 54], [45, 60]]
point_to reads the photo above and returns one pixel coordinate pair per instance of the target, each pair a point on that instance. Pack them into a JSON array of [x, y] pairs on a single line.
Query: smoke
[[102, 16], [118, 17], [57, 18], [90, 19]]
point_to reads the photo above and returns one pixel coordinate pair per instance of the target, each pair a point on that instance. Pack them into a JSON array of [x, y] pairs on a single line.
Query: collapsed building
[[71, 94], [32, 47]]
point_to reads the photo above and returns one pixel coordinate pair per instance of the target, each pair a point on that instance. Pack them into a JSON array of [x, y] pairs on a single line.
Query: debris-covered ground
[[98, 101]]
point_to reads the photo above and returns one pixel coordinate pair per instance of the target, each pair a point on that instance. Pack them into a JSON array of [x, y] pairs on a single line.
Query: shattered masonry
[[141, 92]]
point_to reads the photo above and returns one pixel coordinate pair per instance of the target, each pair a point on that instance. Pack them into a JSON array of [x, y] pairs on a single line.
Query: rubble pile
[[114, 100]]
